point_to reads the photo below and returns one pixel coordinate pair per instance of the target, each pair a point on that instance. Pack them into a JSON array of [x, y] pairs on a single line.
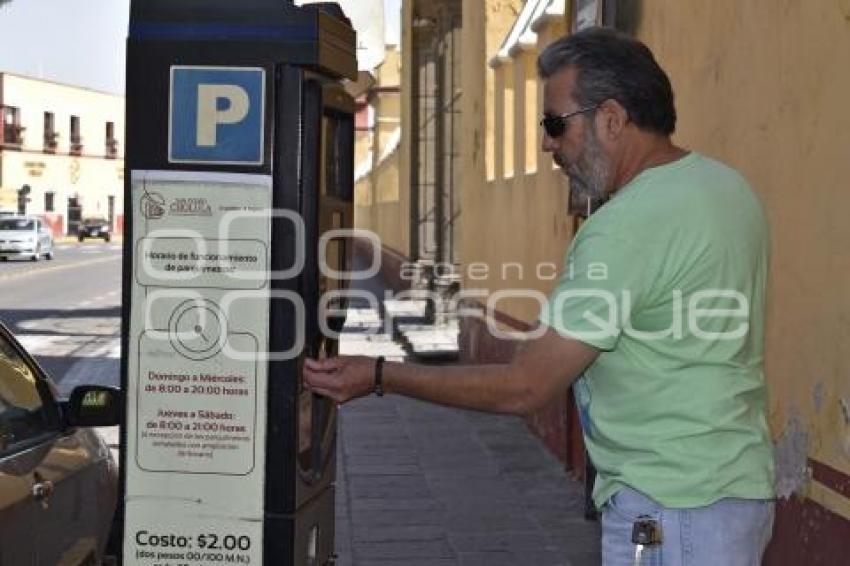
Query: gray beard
[[589, 175]]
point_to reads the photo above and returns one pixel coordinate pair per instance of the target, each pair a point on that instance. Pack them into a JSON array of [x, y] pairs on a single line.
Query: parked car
[[26, 237], [94, 228], [58, 479]]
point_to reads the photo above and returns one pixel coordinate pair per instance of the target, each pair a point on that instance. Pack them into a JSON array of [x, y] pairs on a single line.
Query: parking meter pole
[[239, 162]]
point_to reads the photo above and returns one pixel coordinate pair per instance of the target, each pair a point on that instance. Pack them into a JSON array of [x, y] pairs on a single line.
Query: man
[[660, 312]]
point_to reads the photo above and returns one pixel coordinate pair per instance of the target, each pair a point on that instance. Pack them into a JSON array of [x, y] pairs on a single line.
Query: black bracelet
[[379, 377]]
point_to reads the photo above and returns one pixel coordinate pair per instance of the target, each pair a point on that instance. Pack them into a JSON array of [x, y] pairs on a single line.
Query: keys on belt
[[645, 532]]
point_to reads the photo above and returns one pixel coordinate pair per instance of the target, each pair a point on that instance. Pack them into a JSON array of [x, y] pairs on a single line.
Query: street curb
[[27, 272], [75, 240]]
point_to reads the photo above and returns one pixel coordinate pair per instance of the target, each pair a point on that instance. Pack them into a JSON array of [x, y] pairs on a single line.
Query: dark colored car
[[94, 228], [58, 480]]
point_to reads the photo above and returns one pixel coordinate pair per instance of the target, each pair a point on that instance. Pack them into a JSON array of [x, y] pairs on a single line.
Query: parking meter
[[238, 186]]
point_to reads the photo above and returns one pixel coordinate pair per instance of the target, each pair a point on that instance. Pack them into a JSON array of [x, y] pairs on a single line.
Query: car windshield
[[88, 221], [16, 224]]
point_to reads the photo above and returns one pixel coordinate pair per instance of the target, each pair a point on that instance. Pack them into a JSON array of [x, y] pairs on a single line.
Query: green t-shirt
[[668, 280]]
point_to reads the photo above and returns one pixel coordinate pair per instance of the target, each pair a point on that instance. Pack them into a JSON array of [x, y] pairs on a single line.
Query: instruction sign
[[196, 382]]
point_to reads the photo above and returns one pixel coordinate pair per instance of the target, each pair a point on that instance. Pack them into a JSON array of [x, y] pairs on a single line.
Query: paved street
[[67, 311]]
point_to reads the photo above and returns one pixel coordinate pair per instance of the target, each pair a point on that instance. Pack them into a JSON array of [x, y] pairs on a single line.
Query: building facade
[[378, 199], [61, 152], [760, 85]]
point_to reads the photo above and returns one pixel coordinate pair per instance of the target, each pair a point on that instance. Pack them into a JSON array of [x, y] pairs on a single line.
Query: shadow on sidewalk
[[421, 484]]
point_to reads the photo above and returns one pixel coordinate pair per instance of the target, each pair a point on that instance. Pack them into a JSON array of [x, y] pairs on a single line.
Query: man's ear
[[614, 118]]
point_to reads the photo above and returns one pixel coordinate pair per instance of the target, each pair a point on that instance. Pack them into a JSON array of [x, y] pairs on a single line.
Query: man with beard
[[658, 320]]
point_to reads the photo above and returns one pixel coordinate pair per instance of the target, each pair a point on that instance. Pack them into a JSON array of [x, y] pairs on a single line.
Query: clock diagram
[[198, 329]]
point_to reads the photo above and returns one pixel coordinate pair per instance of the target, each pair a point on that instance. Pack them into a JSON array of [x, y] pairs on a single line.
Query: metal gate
[[435, 172]]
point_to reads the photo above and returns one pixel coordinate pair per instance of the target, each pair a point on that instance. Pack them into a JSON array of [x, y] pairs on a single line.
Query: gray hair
[[612, 65]]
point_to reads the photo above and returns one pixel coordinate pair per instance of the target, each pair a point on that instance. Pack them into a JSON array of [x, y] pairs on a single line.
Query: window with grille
[[12, 130], [75, 138], [111, 142], [51, 136]]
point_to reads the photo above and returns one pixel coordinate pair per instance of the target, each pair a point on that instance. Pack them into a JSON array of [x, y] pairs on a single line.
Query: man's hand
[[539, 372], [342, 378]]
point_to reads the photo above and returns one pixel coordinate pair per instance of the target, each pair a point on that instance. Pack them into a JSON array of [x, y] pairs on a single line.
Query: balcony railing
[[76, 147], [12, 136], [51, 142], [111, 148]]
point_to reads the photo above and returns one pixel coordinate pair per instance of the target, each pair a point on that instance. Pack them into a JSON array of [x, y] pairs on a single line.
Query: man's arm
[[539, 370]]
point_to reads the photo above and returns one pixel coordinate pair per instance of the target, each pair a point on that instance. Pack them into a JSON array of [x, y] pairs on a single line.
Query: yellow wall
[[514, 211], [530, 86], [482, 86], [380, 204], [765, 87], [508, 116], [760, 85]]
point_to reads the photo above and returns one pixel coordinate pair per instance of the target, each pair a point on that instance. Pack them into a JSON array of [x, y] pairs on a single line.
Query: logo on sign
[[216, 115], [153, 205]]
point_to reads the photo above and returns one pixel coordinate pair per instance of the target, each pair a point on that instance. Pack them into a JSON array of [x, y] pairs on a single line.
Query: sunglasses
[[555, 126]]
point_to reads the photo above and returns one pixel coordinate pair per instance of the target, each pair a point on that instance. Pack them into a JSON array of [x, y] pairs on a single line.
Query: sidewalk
[[423, 485], [419, 484]]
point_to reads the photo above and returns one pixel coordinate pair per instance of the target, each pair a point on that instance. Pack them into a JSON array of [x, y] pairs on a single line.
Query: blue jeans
[[729, 532]]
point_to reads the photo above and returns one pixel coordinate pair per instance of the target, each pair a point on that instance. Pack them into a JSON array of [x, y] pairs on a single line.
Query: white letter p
[[209, 116]]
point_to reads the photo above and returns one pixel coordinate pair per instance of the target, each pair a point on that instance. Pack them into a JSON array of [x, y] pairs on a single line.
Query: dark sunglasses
[[555, 126]]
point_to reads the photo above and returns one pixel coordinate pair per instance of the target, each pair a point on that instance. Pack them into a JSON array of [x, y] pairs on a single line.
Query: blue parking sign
[[216, 115]]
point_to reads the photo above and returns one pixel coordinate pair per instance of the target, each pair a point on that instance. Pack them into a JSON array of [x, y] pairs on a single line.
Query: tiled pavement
[[419, 484]]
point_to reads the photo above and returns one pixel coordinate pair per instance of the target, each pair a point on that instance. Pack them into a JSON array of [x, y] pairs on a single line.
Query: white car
[[24, 237]]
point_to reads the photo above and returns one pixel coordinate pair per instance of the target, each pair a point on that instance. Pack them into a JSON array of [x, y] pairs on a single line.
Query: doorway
[[75, 214]]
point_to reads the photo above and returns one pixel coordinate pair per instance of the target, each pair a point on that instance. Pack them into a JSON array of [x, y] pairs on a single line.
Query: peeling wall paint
[[790, 454], [818, 396], [845, 412]]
